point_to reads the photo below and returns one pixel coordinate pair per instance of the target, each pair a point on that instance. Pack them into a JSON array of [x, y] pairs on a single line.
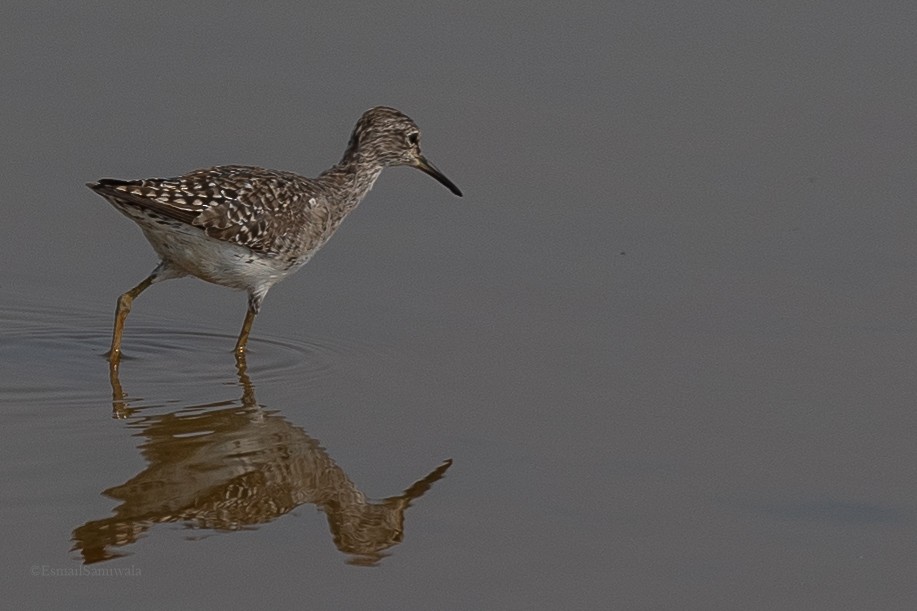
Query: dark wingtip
[[105, 182]]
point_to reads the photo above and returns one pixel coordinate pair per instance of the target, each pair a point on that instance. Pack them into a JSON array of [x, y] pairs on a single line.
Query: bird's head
[[388, 137]]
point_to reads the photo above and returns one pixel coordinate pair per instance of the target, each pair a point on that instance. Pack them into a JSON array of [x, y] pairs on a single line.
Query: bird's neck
[[350, 179]]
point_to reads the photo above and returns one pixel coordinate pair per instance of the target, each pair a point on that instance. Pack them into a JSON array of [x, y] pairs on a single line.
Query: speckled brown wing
[[250, 206], [271, 212]]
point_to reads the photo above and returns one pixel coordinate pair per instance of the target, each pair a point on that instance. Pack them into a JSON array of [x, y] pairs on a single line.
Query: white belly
[[224, 263]]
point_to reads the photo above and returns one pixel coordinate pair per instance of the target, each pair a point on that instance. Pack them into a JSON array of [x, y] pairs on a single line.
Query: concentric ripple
[[55, 354]]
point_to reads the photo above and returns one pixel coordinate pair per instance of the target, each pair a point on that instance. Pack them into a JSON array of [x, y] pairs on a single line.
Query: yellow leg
[[246, 329], [124, 308]]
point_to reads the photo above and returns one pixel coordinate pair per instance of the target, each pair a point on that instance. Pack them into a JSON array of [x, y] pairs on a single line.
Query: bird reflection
[[228, 468]]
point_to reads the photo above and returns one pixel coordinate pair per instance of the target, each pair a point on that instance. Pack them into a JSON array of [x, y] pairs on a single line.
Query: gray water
[[666, 340]]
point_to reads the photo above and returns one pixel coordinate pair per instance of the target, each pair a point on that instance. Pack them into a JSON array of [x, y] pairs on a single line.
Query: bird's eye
[[413, 138]]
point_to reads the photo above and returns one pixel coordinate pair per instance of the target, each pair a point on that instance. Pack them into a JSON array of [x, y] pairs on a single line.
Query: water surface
[[666, 340]]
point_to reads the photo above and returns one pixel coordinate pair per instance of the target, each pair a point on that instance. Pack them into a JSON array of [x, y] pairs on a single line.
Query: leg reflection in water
[[234, 468]]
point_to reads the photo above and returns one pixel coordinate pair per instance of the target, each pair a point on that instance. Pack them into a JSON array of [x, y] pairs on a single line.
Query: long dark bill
[[427, 167]]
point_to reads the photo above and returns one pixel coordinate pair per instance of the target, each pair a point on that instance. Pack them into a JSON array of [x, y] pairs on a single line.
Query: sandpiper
[[246, 227]]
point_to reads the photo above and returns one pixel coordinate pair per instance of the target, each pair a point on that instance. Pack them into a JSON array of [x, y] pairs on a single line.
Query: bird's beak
[[425, 166]]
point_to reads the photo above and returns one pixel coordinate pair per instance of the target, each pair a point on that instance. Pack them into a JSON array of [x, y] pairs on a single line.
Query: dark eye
[[413, 138]]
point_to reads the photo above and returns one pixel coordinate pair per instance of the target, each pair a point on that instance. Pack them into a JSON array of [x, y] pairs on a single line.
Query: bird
[[247, 227]]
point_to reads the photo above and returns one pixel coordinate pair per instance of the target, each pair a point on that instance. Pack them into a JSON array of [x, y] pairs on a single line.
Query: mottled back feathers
[[249, 206]]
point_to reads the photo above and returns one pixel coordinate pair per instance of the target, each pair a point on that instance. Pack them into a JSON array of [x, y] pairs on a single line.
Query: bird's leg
[[254, 304], [246, 328], [124, 308]]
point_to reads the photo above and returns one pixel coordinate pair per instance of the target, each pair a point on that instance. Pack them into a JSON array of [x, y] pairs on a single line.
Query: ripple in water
[[52, 353]]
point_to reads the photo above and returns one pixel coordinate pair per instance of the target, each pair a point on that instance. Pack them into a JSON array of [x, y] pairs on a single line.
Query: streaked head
[[388, 137]]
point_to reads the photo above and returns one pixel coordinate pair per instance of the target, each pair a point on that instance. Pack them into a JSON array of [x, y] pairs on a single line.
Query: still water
[[660, 356], [209, 459]]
